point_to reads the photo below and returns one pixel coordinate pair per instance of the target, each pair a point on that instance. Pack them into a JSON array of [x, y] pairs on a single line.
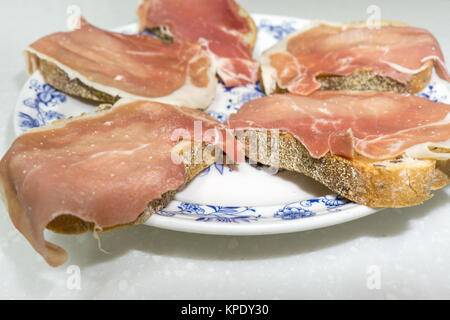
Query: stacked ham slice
[[228, 30]]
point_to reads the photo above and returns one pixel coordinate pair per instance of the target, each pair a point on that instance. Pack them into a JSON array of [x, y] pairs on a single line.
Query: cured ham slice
[[103, 168], [396, 52], [227, 28], [130, 66], [374, 125]]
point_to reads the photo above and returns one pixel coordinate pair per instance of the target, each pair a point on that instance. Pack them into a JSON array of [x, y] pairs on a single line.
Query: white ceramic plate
[[243, 201]]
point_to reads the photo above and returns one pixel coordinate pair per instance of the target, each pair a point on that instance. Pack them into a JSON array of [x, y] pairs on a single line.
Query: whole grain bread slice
[[397, 182]]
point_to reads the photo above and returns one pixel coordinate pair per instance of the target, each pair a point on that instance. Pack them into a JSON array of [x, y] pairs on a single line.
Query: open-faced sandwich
[[375, 148], [106, 169], [352, 56], [226, 27], [105, 66]]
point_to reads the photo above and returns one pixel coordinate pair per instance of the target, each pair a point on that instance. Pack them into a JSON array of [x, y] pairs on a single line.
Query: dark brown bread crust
[[59, 79], [69, 224]]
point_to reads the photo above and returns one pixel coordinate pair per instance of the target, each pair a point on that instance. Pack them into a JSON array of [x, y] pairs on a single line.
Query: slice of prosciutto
[[103, 168], [397, 52], [131, 66], [228, 30], [377, 125]]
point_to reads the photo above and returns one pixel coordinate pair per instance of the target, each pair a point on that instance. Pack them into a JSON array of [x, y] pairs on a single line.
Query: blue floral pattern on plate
[[237, 96], [208, 213], [431, 92], [220, 168], [308, 208], [45, 98], [278, 31]]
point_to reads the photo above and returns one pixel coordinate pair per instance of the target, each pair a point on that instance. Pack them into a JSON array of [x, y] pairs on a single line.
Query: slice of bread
[[365, 80], [398, 182]]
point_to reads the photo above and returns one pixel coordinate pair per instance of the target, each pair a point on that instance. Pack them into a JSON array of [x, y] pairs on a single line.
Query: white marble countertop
[[395, 253]]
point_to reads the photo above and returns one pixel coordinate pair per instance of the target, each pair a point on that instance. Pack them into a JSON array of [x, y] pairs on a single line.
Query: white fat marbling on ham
[[131, 66], [333, 49], [103, 168], [218, 22], [375, 125]]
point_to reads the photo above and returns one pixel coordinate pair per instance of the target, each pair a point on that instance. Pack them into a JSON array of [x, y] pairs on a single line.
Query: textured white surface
[[408, 248]]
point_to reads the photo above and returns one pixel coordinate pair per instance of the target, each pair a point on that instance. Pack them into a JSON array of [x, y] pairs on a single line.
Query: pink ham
[[219, 22], [375, 125], [104, 168], [390, 51], [137, 65]]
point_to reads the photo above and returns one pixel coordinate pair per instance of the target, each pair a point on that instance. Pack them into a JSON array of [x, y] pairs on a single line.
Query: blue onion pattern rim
[[41, 107], [235, 214], [208, 213]]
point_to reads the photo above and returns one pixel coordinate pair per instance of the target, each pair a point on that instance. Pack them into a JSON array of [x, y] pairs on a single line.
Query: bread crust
[[60, 80], [395, 182]]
